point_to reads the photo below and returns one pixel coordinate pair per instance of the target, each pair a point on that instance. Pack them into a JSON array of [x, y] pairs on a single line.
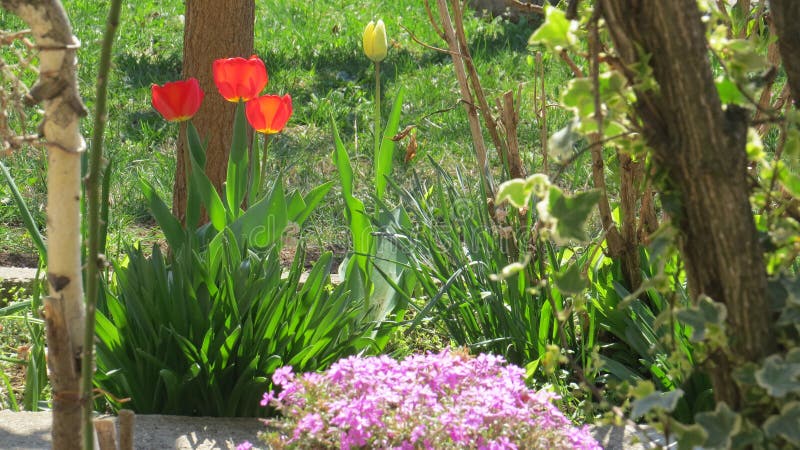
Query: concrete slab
[[19, 275], [31, 431]]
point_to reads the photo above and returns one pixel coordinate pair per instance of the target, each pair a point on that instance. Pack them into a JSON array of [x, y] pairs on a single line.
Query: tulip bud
[[375, 44]]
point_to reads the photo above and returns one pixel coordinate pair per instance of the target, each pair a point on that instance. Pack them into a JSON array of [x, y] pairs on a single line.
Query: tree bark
[[57, 89], [786, 17], [214, 29], [701, 150]]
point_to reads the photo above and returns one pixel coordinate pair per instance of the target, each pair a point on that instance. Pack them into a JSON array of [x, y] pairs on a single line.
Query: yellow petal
[[367, 38], [379, 43]]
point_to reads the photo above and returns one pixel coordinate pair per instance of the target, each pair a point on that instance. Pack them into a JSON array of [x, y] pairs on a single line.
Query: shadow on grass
[[141, 71]]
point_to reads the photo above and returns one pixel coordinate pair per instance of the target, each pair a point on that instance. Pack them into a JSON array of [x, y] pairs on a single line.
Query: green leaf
[[173, 231], [571, 281], [196, 147], [514, 191], [720, 426], [562, 142], [385, 155], [556, 32], [355, 213], [296, 206], [690, 437], [707, 312], [743, 57], [728, 92], [389, 266], [218, 214], [518, 192], [311, 201], [660, 401], [785, 424], [792, 145], [790, 181], [263, 224], [579, 96], [571, 212], [618, 370], [778, 376], [236, 180]]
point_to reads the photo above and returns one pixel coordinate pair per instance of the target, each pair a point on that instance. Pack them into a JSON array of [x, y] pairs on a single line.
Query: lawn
[[312, 51]]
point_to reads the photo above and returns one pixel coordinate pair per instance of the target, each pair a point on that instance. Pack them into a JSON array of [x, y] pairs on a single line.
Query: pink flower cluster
[[444, 400]]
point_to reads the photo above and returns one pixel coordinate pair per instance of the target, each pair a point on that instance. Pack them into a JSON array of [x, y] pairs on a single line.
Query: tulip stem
[[377, 128]]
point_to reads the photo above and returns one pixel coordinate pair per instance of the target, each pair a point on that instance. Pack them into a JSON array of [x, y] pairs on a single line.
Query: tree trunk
[[57, 89], [701, 150], [786, 17], [214, 29]]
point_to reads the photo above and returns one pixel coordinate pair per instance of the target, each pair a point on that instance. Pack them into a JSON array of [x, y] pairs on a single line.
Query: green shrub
[[479, 277], [199, 332]]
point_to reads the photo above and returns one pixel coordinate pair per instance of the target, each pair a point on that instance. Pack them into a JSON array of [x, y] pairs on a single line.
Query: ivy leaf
[[690, 437], [792, 145], [664, 401], [579, 96], [720, 426], [571, 281], [728, 92], [518, 191], [514, 191], [784, 297], [749, 436], [785, 424], [707, 312], [556, 32], [571, 212], [562, 142], [509, 271], [780, 377], [789, 180], [743, 57]]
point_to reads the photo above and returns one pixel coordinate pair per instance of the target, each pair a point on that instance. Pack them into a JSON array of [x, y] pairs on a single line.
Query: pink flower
[[244, 446], [429, 401]]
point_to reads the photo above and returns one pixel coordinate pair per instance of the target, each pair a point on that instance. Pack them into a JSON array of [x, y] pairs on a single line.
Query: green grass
[[313, 51]]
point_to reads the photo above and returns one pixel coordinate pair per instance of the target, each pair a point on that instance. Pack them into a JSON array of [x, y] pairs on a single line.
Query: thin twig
[[428, 46], [432, 20], [543, 114], [472, 115], [477, 89], [574, 67], [93, 198]]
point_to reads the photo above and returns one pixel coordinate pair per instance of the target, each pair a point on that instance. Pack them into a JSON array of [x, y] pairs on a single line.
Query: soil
[[18, 260]]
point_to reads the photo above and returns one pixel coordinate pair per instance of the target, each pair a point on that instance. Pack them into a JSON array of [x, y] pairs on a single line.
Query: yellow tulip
[[375, 44]]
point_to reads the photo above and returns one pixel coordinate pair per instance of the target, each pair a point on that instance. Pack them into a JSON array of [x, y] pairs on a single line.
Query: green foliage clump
[[198, 333]]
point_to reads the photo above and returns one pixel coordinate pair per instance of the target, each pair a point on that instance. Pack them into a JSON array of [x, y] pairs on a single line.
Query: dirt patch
[[18, 260], [312, 255]]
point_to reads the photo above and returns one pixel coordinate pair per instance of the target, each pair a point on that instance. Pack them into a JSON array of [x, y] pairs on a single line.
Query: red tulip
[[239, 79], [179, 100], [268, 114]]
